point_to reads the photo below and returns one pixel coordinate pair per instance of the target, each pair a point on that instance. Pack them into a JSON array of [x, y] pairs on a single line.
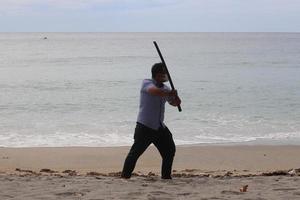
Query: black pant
[[143, 137]]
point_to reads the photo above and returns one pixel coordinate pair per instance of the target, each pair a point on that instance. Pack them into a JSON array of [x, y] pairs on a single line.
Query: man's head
[[159, 73]]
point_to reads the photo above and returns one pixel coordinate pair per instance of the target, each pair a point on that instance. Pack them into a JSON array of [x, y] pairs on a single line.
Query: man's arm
[[162, 93], [172, 95]]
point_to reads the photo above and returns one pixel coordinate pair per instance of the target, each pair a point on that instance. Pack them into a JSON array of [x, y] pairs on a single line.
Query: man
[[150, 127]]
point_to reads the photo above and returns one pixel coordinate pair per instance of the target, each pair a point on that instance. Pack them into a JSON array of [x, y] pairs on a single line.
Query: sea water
[[82, 89]]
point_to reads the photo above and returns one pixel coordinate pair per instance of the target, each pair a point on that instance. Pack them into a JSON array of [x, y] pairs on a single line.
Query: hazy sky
[[150, 15]]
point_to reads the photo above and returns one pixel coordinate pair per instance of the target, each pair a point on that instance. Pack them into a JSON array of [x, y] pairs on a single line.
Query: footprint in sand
[[7, 196], [150, 197], [296, 193], [184, 194], [285, 189], [231, 192], [67, 194], [158, 192], [96, 199]]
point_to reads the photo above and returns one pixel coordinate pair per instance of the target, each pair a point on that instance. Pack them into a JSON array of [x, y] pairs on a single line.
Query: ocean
[[82, 89]]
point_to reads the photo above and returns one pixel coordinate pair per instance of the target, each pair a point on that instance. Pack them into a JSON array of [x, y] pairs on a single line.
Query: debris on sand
[[70, 172], [244, 188], [48, 171]]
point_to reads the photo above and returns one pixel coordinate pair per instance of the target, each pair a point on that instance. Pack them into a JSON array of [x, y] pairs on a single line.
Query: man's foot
[[125, 177], [166, 177]]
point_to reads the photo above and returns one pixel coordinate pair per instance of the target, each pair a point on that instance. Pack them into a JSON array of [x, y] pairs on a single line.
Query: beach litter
[[244, 188]]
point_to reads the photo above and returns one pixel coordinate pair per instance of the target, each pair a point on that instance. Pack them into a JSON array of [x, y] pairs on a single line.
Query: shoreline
[[256, 142]]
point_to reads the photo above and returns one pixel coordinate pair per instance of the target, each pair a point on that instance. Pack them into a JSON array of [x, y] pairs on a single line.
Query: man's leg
[[166, 147], [141, 143]]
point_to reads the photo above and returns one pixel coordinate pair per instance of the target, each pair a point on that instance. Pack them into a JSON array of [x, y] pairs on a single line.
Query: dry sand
[[200, 172]]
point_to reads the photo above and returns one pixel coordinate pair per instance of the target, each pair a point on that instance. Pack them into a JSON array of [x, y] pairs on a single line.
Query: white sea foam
[[64, 139], [282, 136]]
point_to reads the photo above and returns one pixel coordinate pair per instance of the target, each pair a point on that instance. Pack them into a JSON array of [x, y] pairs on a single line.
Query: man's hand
[[173, 93], [176, 102]]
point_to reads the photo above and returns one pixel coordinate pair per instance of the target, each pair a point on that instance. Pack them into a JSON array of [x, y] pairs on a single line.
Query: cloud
[[149, 15], [23, 6]]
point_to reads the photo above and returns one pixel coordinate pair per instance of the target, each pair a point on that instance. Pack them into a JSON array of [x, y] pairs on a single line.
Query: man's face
[[161, 77]]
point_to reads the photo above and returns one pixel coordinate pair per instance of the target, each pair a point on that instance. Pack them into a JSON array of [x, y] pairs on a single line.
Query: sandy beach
[[199, 172]]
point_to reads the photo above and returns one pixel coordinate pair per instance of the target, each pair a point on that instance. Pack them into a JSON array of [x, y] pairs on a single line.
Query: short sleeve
[[169, 99], [146, 85]]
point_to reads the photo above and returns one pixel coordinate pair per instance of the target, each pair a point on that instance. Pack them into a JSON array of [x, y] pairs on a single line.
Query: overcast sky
[[150, 15]]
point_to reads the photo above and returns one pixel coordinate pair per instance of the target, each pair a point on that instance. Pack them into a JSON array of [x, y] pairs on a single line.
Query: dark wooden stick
[[166, 68]]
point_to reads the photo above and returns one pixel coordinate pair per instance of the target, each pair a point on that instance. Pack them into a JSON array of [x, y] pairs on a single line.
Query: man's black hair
[[158, 68]]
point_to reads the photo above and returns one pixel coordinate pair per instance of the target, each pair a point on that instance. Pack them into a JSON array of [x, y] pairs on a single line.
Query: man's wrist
[[167, 93]]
